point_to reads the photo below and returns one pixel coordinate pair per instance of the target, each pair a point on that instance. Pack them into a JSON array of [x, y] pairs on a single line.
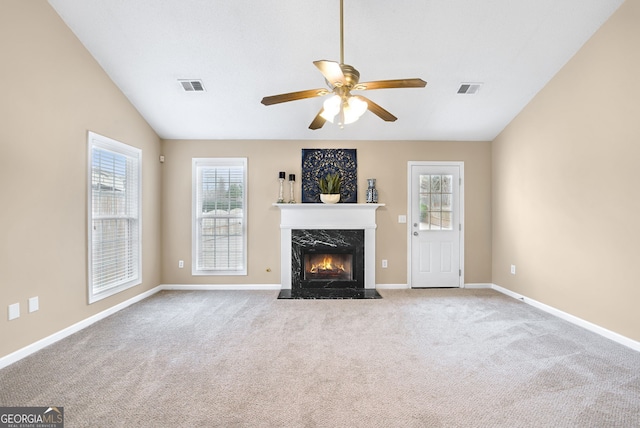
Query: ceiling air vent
[[469, 88], [192, 85]]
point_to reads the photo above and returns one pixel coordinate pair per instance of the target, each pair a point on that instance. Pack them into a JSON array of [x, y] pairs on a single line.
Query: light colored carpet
[[417, 358]]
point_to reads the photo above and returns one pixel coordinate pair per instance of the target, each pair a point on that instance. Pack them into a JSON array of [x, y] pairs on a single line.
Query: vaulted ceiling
[[243, 50]]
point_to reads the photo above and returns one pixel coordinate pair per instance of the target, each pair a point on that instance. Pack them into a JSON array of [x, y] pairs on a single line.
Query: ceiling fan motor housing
[[351, 75]]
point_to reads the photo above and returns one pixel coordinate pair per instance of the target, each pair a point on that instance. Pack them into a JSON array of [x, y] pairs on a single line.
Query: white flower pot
[[330, 198]]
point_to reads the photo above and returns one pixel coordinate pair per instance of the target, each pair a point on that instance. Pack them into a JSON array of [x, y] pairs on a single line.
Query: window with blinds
[[114, 217], [219, 216]]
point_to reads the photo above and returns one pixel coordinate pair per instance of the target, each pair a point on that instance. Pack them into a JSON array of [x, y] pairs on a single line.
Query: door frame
[[460, 165]]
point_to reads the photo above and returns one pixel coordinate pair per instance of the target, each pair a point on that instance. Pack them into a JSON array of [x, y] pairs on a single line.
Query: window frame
[[99, 142], [197, 165]]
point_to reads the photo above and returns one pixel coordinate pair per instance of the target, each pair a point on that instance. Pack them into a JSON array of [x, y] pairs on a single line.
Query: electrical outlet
[[384, 264], [513, 269], [14, 311], [34, 304], [181, 264]]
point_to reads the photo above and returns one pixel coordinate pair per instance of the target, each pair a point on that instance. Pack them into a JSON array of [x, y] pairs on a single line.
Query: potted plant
[[330, 188]]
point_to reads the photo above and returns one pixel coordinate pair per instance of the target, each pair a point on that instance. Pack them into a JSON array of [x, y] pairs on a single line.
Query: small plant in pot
[[330, 188]]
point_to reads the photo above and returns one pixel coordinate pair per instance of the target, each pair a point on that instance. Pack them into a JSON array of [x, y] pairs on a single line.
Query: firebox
[[327, 259], [327, 265]]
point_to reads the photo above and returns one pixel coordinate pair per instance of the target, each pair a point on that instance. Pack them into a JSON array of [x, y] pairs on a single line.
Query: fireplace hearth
[[329, 293]]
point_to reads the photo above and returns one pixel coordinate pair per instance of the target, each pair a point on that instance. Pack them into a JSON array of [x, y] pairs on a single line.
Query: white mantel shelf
[[328, 216], [326, 206]]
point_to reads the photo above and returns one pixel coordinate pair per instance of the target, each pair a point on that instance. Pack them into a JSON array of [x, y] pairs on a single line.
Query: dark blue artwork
[[317, 163]]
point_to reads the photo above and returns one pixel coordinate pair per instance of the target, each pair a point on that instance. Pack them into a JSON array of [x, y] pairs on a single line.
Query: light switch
[[14, 311], [34, 304], [402, 219]]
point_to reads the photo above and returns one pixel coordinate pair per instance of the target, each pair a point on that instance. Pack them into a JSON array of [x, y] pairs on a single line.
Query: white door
[[435, 230]]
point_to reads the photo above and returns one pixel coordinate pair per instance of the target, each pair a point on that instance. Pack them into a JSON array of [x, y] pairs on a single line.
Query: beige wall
[[52, 93], [384, 160], [565, 185]]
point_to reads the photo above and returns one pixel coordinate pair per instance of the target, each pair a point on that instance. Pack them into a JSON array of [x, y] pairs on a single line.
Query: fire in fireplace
[[327, 266]]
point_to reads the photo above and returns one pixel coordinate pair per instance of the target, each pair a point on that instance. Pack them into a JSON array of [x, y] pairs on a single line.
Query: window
[[114, 199], [219, 216], [436, 196]]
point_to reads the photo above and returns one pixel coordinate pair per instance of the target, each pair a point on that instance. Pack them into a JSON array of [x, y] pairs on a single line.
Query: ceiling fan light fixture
[[346, 109], [354, 108], [331, 107]]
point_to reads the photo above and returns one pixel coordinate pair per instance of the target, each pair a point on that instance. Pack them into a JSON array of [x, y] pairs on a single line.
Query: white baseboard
[[49, 340], [477, 285], [392, 286], [406, 286], [623, 340], [221, 286]]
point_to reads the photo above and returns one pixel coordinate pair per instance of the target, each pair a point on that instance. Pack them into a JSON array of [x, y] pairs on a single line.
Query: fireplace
[[327, 259], [335, 230]]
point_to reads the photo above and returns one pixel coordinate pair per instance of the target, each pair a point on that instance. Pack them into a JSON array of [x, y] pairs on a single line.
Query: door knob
[[415, 233]]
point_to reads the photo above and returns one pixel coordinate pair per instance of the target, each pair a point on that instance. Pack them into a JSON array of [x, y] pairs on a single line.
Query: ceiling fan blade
[[318, 121], [331, 71], [293, 96], [377, 110], [387, 84]]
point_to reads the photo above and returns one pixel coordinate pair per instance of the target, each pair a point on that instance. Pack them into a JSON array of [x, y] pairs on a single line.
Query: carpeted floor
[[416, 358]]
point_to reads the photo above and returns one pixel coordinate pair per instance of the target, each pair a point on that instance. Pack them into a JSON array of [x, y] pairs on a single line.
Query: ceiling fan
[[343, 107]]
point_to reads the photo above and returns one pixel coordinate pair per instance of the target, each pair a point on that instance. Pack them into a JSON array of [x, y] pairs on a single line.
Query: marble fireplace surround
[[327, 217], [347, 243]]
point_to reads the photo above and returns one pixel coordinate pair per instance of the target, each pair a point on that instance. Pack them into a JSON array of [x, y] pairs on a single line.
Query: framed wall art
[[317, 163]]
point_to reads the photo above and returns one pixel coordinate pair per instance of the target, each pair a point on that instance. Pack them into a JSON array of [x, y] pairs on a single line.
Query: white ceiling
[[244, 50]]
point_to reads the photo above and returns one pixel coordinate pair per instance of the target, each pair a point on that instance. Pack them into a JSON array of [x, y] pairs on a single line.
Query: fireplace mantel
[[328, 216]]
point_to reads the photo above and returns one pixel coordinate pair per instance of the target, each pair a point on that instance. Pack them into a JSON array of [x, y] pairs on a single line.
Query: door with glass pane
[[435, 229]]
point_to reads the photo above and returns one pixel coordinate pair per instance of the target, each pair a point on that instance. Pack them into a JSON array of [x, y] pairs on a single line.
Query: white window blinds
[[114, 217], [219, 216]]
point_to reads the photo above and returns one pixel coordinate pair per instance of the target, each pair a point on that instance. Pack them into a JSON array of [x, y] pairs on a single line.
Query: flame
[[326, 265]]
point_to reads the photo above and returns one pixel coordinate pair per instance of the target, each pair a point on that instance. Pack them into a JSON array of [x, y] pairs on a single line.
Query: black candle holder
[[281, 176], [292, 181]]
